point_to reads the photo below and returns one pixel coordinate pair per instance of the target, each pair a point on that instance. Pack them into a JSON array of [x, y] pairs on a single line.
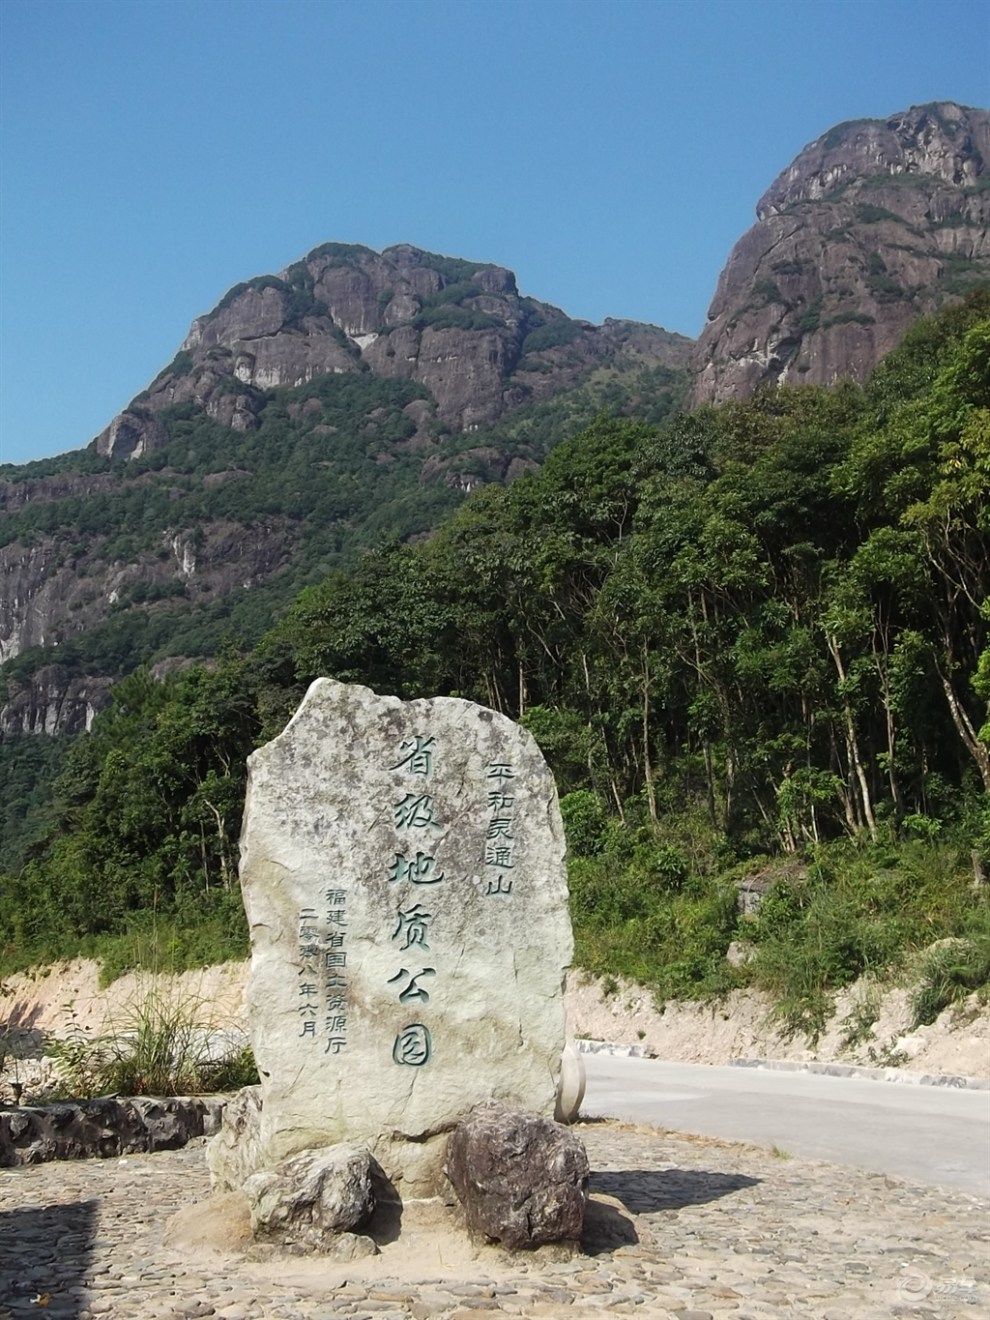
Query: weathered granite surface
[[521, 1180], [402, 865], [236, 1152], [311, 1198], [874, 224]]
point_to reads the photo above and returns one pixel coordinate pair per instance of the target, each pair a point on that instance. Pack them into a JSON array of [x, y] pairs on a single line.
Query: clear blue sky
[[155, 152]]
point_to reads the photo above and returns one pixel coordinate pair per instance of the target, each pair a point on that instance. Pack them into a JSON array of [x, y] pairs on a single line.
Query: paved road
[[935, 1134]]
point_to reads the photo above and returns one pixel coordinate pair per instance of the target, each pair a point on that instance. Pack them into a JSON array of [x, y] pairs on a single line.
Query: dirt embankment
[[869, 1026]]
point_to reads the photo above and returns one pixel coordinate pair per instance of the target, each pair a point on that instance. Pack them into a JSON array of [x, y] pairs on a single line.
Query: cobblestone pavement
[[698, 1229]]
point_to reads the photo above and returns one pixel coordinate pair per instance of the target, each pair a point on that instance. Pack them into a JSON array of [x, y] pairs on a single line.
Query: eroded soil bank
[[869, 1026]]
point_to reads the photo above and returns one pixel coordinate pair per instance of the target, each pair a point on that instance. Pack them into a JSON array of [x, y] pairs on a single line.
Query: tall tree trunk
[[852, 743], [651, 796], [880, 663], [964, 727], [710, 776], [844, 775]]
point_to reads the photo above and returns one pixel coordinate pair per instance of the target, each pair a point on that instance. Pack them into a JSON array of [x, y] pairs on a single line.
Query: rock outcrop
[[351, 365], [875, 223], [52, 701], [313, 1197], [236, 1152], [521, 1180], [459, 328]]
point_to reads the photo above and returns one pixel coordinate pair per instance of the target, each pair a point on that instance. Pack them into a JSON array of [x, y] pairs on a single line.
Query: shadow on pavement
[[607, 1226], [46, 1255], [643, 1190]]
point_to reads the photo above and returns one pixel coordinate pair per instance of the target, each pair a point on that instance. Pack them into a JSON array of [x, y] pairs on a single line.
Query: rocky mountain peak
[[944, 141], [460, 328], [873, 224]]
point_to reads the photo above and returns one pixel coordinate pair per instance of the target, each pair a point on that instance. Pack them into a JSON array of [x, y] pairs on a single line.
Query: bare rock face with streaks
[[235, 1153], [403, 873], [460, 328], [874, 224]]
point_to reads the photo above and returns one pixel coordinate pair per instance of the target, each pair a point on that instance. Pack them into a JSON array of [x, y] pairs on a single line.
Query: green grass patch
[[163, 1042]]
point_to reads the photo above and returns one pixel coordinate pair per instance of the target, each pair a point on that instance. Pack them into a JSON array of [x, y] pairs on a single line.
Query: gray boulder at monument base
[[312, 1198], [402, 866], [522, 1180], [235, 1152]]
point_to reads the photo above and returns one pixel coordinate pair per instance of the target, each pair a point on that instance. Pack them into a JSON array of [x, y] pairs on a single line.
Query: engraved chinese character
[[309, 951], [307, 990], [417, 753], [419, 869], [336, 1003], [499, 855], [335, 1044], [500, 770], [335, 959], [412, 990], [413, 1046], [414, 812], [336, 897], [336, 1024], [501, 801], [337, 917], [335, 983], [308, 1029], [500, 886], [412, 923], [309, 932], [499, 826], [334, 940], [307, 914]]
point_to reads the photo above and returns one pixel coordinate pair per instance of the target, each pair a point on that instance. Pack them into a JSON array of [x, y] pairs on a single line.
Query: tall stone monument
[[402, 865]]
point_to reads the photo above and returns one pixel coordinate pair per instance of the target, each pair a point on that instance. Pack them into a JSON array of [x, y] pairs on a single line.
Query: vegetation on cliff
[[751, 640], [149, 561]]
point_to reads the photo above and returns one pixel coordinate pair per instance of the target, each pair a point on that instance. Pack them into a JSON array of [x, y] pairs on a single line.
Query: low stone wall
[[102, 1128]]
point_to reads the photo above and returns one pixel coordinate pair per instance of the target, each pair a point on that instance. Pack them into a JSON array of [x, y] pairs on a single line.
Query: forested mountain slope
[[752, 631], [360, 394], [355, 396]]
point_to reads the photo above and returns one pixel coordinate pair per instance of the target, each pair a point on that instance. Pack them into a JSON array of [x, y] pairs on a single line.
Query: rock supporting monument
[[402, 865], [522, 1181], [312, 1198]]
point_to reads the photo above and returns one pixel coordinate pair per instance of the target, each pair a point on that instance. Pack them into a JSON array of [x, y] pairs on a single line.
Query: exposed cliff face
[[459, 328], [53, 702], [51, 589], [337, 392], [874, 224]]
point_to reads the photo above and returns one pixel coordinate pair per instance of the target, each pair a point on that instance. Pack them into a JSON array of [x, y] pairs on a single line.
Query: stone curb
[[953, 1080], [104, 1128], [611, 1047]]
